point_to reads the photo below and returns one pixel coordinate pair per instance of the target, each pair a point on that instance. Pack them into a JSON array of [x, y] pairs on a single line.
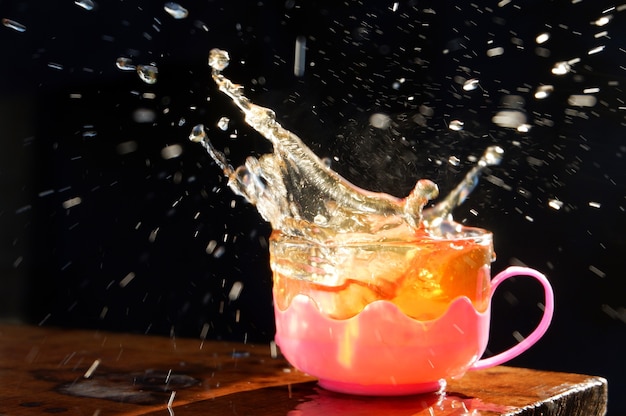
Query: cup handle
[[537, 333]]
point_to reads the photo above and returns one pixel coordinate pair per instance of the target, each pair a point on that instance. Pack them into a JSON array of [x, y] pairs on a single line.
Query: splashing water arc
[[301, 196]]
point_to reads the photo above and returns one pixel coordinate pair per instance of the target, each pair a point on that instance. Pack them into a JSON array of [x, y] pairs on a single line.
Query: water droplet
[[235, 291], [454, 161], [542, 38], [596, 50], [555, 204], [176, 10], [72, 202], [300, 56], [197, 133], [543, 91], [470, 84], [223, 123], [85, 4], [12, 24], [218, 59], [561, 68], [148, 73], [125, 64], [602, 20], [456, 125]]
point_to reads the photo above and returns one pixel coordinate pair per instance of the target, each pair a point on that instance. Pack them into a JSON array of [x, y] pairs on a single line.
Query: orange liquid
[[421, 277]]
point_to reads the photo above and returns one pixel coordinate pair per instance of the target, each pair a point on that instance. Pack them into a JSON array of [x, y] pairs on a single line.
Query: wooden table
[[81, 372]]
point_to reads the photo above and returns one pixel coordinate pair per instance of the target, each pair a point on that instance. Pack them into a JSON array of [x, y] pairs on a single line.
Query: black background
[[68, 130]]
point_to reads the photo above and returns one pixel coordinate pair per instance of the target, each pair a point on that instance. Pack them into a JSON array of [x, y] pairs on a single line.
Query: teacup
[[391, 317]]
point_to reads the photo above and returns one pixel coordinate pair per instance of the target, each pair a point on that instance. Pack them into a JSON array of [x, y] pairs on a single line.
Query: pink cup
[[382, 351]]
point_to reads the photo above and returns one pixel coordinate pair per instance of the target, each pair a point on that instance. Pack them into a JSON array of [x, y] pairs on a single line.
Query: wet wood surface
[[85, 372]]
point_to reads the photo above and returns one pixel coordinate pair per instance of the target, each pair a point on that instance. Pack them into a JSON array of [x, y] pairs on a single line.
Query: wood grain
[[82, 372]]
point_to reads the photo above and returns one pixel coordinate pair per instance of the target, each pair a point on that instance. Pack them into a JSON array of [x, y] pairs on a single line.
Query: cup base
[[383, 389]]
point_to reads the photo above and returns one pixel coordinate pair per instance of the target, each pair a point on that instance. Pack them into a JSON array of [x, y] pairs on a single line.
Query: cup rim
[[450, 231]]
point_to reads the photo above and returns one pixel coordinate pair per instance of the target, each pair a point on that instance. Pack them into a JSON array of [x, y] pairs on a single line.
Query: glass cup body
[[391, 317]]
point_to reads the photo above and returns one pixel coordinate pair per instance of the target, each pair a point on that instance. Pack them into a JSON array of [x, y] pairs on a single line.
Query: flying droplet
[[125, 64], [542, 38], [85, 4], [456, 125], [12, 24], [299, 61], [148, 73], [579, 100], [470, 84], [197, 133], [543, 91], [218, 59], [235, 291], [555, 204], [602, 20], [176, 10], [561, 68], [223, 123]]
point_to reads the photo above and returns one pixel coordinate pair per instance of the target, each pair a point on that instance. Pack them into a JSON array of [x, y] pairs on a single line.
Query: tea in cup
[[390, 317]]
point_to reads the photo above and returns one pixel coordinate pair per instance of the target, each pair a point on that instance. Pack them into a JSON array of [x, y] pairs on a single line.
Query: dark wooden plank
[[73, 372], [47, 370], [498, 391]]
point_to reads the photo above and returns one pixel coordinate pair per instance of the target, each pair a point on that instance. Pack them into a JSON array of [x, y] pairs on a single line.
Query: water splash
[[300, 195]]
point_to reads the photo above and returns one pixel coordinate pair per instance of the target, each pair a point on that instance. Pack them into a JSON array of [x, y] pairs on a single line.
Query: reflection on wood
[[79, 372]]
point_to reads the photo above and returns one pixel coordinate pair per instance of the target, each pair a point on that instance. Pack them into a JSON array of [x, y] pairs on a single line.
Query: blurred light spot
[[380, 120], [604, 20], [495, 51], [299, 61], [144, 115], [593, 269], [126, 147], [235, 290], [582, 100], [72, 202], [456, 125], [543, 91], [542, 38], [594, 204], [561, 68], [172, 151], [555, 204], [127, 279], [509, 119], [596, 50]]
